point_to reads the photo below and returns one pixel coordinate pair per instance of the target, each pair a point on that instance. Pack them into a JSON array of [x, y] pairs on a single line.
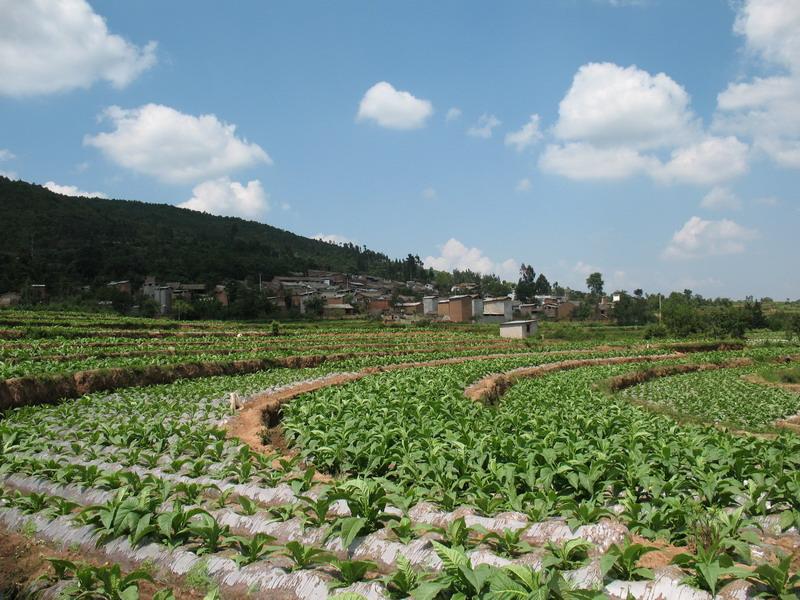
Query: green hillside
[[65, 242]]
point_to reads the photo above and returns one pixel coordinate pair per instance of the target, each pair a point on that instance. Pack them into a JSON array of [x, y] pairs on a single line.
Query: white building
[[518, 329], [430, 305], [498, 309]]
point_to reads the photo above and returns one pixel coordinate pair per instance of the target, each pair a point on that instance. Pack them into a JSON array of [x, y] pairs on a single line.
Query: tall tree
[[595, 284], [542, 285], [526, 286]]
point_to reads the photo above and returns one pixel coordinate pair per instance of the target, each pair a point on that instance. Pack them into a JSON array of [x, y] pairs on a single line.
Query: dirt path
[[261, 412], [492, 387]]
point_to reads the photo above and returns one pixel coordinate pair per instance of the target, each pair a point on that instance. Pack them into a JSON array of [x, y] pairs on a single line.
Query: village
[[334, 295]]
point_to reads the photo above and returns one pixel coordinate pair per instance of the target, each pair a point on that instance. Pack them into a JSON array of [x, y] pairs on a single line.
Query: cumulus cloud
[[721, 198], [708, 161], [9, 174], [609, 105], [528, 135], [483, 128], [6, 154], [699, 238], [334, 238], [71, 190], [160, 141], [453, 114], [583, 161], [393, 109], [617, 122], [455, 255], [49, 46], [229, 198], [767, 109], [771, 29], [523, 185]]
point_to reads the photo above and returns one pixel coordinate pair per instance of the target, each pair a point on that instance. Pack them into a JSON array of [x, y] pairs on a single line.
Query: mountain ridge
[[67, 241]]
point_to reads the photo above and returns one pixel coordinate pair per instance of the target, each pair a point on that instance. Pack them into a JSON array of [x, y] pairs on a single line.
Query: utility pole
[[659, 308]]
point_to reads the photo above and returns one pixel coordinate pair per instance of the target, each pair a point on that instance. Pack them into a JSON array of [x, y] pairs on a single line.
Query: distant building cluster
[[340, 296]]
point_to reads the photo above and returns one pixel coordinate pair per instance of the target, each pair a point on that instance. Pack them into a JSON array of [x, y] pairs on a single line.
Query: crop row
[[570, 460], [553, 445], [724, 396]]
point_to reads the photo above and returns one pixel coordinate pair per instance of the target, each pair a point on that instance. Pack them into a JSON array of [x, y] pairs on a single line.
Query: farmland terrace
[[358, 460]]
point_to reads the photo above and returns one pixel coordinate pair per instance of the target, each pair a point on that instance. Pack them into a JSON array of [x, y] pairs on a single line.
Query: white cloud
[[453, 114], [175, 147], [767, 109], [721, 198], [582, 161], [523, 185], [334, 238], [455, 255], [771, 29], [616, 122], [229, 198], [429, 193], [71, 190], [6, 154], [393, 109], [708, 161], [699, 238], [528, 135], [49, 46], [10, 174], [483, 128], [609, 105]]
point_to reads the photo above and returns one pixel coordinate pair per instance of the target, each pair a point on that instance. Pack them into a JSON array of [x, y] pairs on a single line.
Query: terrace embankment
[[260, 418], [262, 411], [26, 391], [47, 389], [489, 389]]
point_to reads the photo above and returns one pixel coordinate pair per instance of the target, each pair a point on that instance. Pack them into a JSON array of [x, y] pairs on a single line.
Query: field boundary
[[489, 389]]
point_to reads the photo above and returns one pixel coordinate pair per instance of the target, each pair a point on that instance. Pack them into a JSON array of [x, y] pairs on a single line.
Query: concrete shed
[[518, 329], [430, 305]]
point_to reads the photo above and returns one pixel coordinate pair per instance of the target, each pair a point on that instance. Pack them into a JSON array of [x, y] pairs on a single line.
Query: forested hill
[[66, 241]]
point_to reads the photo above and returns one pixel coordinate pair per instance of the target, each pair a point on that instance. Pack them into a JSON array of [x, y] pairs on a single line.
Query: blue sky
[[657, 141]]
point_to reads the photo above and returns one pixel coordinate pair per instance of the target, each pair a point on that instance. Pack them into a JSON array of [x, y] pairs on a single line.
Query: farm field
[[393, 462]]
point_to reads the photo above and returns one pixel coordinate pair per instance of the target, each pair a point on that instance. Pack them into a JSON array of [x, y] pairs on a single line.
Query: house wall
[[518, 331], [504, 307], [565, 311], [460, 309], [430, 305], [477, 307], [443, 308]]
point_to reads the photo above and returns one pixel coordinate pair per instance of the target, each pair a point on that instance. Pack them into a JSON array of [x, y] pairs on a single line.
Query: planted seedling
[[252, 549], [303, 556], [350, 571], [570, 555], [621, 562]]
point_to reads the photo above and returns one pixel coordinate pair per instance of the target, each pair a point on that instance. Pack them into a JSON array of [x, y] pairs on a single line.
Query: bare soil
[[23, 560]]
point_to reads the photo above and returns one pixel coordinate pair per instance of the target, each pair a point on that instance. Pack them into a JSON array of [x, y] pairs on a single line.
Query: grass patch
[[782, 375]]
